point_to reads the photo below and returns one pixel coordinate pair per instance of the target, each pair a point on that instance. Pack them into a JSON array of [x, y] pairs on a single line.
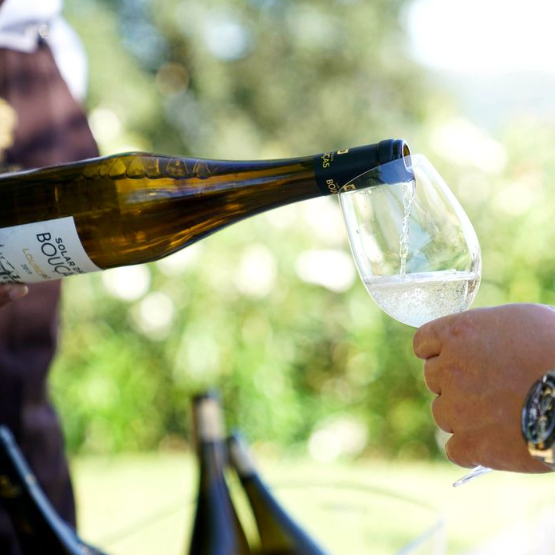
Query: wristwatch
[[538, 420]]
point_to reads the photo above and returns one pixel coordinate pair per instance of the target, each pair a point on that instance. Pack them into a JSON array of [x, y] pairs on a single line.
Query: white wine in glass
[[418, 298], [413, 244]]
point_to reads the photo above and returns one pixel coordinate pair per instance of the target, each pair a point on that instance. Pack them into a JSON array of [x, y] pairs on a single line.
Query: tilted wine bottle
[[216, 528], [279, 533], [137, 207], [38, 527]]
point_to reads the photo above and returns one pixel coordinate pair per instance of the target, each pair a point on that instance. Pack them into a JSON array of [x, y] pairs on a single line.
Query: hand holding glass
[[414, 246]]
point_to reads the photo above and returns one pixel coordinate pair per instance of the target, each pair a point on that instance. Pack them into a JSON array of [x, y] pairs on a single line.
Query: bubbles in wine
[[415, 299]]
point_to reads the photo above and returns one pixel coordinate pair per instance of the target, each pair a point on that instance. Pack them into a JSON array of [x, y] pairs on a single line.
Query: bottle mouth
[[400, 170], [390, 150]]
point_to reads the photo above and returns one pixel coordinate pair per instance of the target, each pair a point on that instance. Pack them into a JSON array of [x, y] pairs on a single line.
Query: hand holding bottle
[[11, 292], [481, 365]]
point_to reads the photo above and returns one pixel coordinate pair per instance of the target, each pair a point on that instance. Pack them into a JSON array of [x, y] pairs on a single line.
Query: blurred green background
[[271, 310]]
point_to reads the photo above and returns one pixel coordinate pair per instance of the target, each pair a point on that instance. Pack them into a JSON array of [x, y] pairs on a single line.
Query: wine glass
[[414, 246]]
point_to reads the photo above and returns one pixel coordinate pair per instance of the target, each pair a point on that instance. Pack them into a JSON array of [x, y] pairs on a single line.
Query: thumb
[[12, 292]]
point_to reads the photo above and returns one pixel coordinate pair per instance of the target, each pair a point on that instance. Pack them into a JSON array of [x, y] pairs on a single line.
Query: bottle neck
[[240, 456], [212, 460], [334, 170], [318, 175], [321, 174]]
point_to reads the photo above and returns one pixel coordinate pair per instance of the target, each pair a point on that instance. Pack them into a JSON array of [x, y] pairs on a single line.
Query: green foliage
[[271, 310]]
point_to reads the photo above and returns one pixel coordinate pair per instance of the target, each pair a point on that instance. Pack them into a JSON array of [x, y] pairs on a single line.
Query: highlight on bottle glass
[[414, 246]]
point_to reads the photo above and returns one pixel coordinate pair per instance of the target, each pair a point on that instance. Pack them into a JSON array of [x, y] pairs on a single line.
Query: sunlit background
[[271, 310]]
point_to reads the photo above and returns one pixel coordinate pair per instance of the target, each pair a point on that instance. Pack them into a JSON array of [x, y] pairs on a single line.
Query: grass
[[141, 505]]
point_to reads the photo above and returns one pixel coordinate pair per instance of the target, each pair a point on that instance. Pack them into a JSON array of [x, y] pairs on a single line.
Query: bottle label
[[43, 251]]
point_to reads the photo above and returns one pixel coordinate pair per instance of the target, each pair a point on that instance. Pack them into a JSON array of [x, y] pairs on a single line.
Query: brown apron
[[51, 128]]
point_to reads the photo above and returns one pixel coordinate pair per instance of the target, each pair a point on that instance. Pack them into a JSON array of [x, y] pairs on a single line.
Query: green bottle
[[279, 533], [139, 207], [39, 528], [216, 529]]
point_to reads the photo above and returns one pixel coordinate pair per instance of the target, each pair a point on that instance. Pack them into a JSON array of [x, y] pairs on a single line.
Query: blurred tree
[[252, 77], [269, 310]]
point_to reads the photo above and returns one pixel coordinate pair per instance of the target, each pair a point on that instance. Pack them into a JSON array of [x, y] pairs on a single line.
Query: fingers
[[12, 292], [439, 406], [441, 415], [458, 452], [432, 375], [449, 330], [426, 342]]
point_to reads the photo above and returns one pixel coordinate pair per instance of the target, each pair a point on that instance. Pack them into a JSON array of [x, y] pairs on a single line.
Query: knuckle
[[461, 326]]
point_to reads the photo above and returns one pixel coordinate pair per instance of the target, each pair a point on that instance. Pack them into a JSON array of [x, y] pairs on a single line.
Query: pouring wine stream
[[409, 188]]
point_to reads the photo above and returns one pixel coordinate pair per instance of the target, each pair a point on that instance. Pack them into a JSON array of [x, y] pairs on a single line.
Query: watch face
[[538, 417]]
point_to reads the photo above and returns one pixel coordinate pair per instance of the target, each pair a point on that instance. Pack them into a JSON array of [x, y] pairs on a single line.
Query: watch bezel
[[538, 417]]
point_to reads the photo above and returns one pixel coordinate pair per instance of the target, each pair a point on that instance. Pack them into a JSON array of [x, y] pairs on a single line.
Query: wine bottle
[[279, 533], [137, 207], [38, 527], [216, 528]]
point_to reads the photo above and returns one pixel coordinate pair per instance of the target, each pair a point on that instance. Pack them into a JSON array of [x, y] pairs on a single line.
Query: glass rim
[[394, 172]]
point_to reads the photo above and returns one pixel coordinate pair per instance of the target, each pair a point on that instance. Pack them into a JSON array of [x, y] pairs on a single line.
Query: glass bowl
[[355, 519]]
